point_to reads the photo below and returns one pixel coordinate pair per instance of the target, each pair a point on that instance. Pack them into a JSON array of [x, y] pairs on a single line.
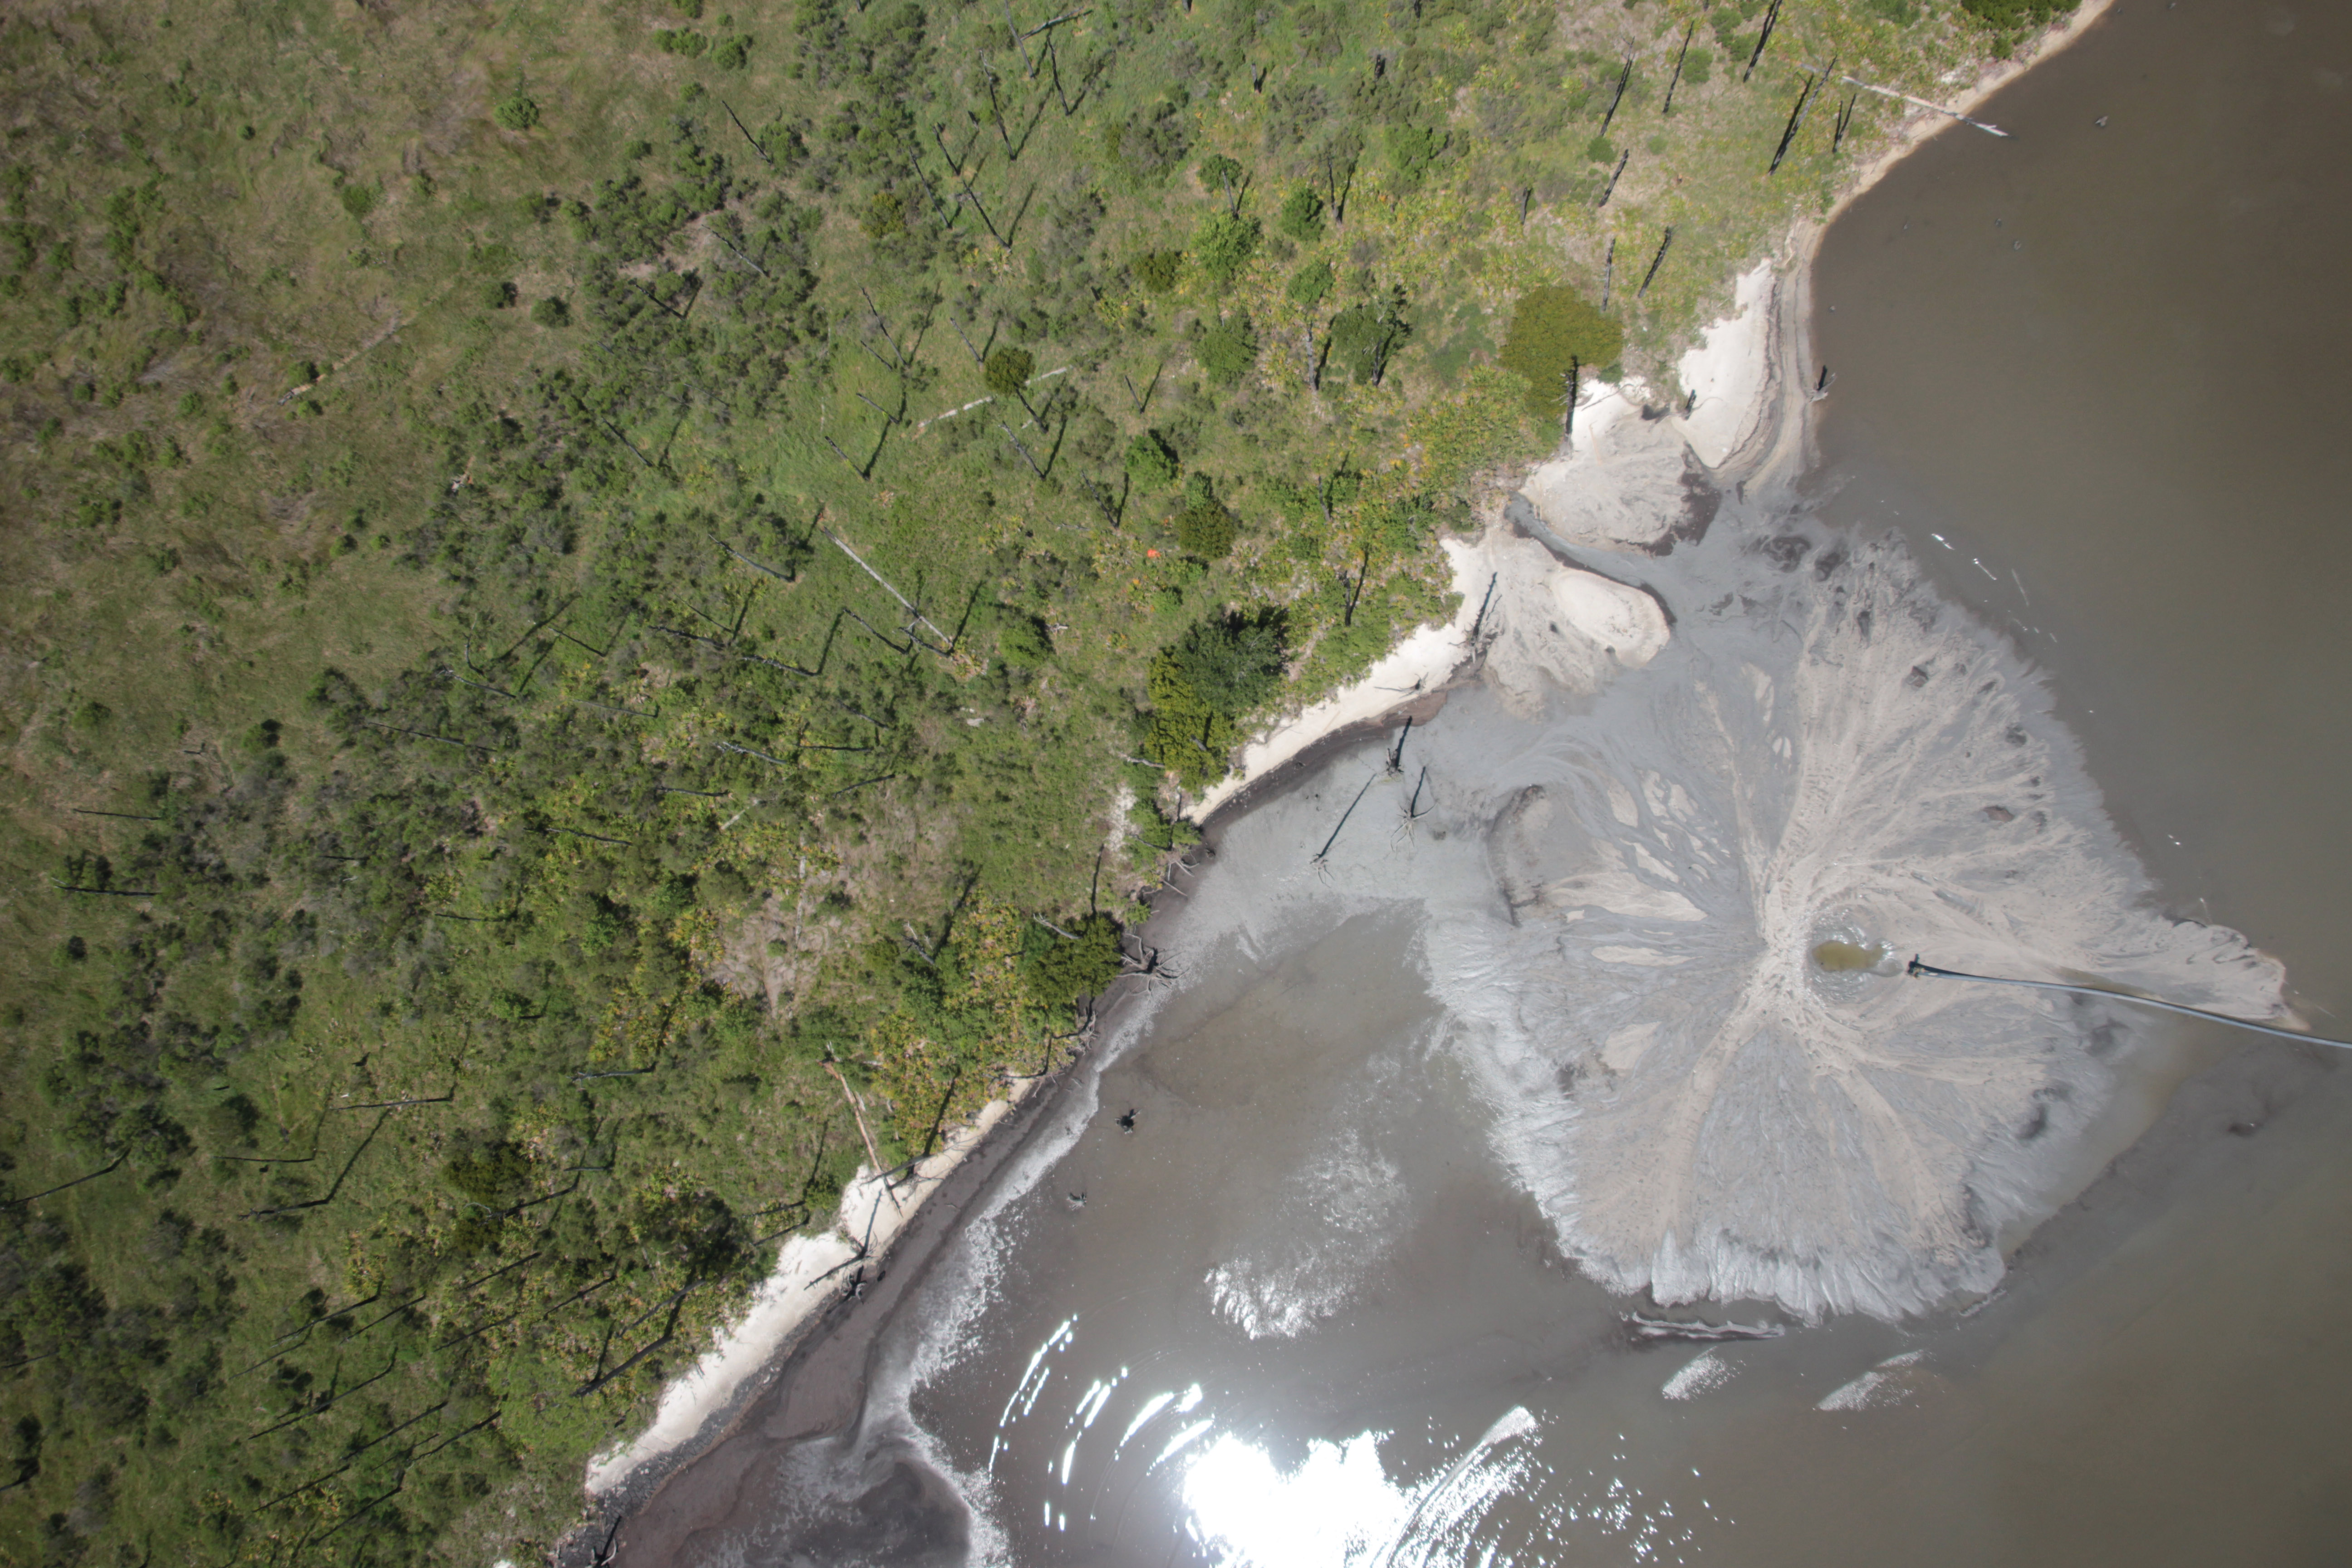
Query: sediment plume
[[1623, 899]]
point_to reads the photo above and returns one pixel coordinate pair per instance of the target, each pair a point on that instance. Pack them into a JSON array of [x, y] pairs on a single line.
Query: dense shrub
[[1205, 527], [1228, 350], [1156, 270], [1554, 328], [1365, 337], [1008, 371], [1201, 687], [1151, 463], [1225, 244], [1302, 216], [1310, 284], [517, 113]]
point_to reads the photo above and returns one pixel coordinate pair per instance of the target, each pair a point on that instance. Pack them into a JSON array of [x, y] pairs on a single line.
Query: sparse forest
[[611, 612]]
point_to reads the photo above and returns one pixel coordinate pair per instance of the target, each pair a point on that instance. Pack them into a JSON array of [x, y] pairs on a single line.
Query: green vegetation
[[1301, 217], [1227, 350], [1007, 371], [1310, 285], [1202, 686], [585, 582], [1150, 460], [1205, 527], [1225, 245], [1555, 331], [2009, 20], [516, 113]]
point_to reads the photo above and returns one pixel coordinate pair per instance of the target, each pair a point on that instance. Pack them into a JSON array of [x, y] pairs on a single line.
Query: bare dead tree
[[1018, 38], [858, 1112], [1323, 856], [754, 141], [1655, 262], [1805, 100], [1771, 20], [1610, 188], [1668, 107], [1624, 78], [1483, 605]]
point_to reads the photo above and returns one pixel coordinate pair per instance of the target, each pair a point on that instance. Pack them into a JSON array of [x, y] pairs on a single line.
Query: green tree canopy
[[1225, 244], [1223, 176], [1228, 349], [1009, 370], [1205, 527], [1554, 328], [1302, 216], [1233, 662], [517, 113], [1412, 149], [1364, 337], [1061, 969], [1156, 270], [1151, 463], [1202, 688], [1310, 283], [2015, 16]]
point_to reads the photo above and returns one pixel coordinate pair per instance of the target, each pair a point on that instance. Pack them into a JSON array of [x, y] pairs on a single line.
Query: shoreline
[[804, 1311], [796, 1294]]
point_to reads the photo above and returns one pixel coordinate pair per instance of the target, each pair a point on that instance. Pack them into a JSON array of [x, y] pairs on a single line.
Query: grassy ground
[[471, 822]]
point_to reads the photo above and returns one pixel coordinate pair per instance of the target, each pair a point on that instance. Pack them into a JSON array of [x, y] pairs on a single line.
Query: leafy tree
[[1310, 284], [1153, 835], [1205, 527], [1200, 687], [1412, 149], [499, 296], [1151, 461], [2015, 16], [1061, 970], [1184, 733], [1153, 140], [1301, 217], [1236, 661], [1157, 270], [1228, 349], [1552, 328], [551, 312], [1225, 244], [1365, 337], [1008, 371], [1023, 640], [516, 112], [489, 1173], [1225, 177]]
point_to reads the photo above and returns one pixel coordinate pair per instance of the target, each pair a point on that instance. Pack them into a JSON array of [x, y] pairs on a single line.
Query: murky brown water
[[1302, 1314], [2099, 380]]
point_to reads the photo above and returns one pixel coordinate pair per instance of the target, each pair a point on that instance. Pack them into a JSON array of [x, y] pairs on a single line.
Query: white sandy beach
[[1595, 624], [811, 1273]]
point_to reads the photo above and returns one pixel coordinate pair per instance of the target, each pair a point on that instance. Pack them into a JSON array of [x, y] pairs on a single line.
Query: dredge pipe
[[1918, 968]]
